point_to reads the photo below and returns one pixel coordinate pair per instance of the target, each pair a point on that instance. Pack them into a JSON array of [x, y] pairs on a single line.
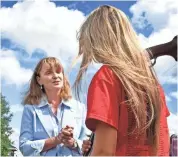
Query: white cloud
[[168, 99], [175, 95], [42, 25], [162, 17], [172, 123], [11, 70], [166, 70], [16, 108], [159, 14]]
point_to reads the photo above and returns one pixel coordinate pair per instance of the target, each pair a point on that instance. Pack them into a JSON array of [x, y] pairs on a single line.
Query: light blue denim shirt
[[39, 123]]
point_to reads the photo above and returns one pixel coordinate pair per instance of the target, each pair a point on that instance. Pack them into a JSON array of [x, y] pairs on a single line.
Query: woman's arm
[[51, 143], [104, 98], [105, 140], [27, 145]]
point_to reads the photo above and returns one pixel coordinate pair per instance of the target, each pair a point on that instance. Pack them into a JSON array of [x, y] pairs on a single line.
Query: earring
[[41, 86]]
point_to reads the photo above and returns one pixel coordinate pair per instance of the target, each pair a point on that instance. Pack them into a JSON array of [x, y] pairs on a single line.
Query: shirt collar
[[44, 102]]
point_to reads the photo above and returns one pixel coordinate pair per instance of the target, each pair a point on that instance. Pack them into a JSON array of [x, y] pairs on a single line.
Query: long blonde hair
[[35, 93], [107, 37]]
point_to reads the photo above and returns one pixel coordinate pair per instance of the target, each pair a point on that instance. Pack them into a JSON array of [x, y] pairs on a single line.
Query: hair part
[[35, 93]]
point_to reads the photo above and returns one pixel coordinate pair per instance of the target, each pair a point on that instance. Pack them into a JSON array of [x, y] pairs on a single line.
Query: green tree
[[6, 130]]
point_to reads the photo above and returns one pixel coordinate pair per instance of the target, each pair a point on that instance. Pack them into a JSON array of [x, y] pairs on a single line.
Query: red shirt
[[105, 95]]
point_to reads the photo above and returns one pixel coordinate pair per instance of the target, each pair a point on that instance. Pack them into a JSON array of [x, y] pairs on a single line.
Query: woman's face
[[51, 77]]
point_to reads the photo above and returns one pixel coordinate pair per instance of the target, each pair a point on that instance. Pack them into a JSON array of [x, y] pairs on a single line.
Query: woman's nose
[[55, 75]]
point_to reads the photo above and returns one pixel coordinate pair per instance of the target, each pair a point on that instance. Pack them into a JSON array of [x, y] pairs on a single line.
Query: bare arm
[[169, 48], [105, 140]]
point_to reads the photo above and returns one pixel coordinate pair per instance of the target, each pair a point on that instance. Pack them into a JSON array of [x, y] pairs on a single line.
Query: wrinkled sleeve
[[27, 145]]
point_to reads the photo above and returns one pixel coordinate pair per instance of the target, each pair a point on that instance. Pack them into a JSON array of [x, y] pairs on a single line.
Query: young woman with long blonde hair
[[126, 105]]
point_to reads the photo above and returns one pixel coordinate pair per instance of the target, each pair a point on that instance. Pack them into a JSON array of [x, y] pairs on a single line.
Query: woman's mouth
[[56, 82]]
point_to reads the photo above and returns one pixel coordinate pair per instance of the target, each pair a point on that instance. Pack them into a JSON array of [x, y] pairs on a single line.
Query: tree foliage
[[6, 130]]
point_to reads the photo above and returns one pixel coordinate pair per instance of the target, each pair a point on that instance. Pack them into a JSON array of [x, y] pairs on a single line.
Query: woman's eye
[[48, 72]]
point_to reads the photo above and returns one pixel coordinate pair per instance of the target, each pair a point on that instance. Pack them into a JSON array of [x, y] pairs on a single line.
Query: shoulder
[[161, 91], [106, 74], [163, 100], [28, 108], [74, 104]]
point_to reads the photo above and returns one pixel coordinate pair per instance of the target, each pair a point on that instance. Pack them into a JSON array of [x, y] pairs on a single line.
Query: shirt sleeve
[[103, 102], [27, 145]]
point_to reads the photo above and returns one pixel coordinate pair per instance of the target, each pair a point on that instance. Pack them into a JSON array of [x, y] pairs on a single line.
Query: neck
[[53, 98]]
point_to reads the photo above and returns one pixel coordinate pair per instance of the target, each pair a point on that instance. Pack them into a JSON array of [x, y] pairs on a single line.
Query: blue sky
[[32, 30]]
